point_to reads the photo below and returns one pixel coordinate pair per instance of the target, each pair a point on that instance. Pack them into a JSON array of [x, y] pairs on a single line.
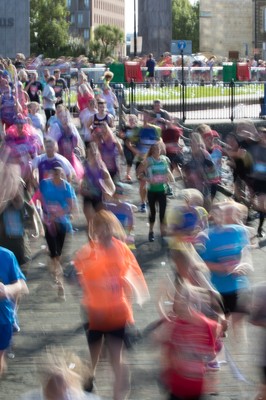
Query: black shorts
[[263, 375], [95, 202], [94, 335], [49, 113], [236, 302], [175, 159], [259, 186], [129, 156], [142, 175]]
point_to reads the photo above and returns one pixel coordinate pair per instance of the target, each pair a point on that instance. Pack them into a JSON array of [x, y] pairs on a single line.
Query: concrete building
[[226, 27], [85, 15], [14, 27], [260, 28], [155, 26]]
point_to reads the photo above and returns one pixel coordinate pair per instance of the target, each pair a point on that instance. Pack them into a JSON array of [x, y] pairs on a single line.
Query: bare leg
[[128, 172], [95, 351], [238, 326], [57, 273], [142, 191], [121, 371], [88, 212], [2, 362]]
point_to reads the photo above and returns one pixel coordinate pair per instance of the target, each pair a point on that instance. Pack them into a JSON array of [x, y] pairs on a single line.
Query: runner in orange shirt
[[110, 276]]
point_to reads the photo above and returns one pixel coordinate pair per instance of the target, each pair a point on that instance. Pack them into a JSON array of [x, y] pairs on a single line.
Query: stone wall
[[155, 26], [226, 25]]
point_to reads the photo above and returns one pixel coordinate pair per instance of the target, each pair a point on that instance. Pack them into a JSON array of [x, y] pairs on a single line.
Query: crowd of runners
[[48, 167]]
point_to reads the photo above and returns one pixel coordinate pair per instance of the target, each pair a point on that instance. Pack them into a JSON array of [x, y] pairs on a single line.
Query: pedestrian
[[65, 133], [199, 170], [58, 200], [106, 268], [96, 183], [110, 148], [170, 136], [126, 133], [111, 100], [49, 98], [188, 340], [156, 168], [34, 87], [84, 91], [12, 284], [60, 87], [216, 153], [9, 106], [124, 212], [84, 117], [159, 115], [150, 65], [142, 139], [227, 255], [62, 378], [100, 117]]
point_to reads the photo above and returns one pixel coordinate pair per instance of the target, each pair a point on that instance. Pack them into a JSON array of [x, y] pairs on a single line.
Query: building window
[[72, 18], [86, 34], [86, 3], [80, 18], [68, 3]]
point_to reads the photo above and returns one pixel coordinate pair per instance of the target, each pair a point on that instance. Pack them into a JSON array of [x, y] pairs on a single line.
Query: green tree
[[185, 22], [48, 26], [106, 39]]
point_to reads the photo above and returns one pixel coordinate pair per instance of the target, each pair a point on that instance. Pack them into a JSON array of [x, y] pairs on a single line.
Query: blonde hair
[[63, 368], [110, 222], [22, 74], [193, 197], [203, 128], [197, 138], [230, 212], [34, 104]]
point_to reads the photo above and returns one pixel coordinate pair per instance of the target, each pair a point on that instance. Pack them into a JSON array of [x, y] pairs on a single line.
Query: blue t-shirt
[[145, 137], [9, 273], [225, 245], [123, 212], [57, 197]]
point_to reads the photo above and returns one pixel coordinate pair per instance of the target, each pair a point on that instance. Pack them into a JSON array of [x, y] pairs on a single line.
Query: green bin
[[229, 73]]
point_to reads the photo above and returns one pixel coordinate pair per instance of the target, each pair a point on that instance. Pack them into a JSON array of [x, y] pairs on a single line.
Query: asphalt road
[[46, 322]]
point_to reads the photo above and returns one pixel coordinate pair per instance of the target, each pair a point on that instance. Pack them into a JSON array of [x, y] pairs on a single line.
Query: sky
[[130, 14]]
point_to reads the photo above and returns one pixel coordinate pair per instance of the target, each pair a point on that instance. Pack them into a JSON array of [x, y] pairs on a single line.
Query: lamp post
[[135, 30]]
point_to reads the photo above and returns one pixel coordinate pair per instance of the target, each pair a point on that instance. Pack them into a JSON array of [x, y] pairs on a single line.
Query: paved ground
[[46, 322]]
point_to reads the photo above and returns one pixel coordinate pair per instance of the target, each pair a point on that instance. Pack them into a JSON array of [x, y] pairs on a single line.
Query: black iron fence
[[204, 100]]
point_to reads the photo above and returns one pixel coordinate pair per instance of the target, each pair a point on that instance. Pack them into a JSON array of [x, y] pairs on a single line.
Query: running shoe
[[151, 237], [143, 208], [213, 365]]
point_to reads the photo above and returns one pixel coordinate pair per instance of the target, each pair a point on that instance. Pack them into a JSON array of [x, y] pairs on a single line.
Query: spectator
[[150, 64]]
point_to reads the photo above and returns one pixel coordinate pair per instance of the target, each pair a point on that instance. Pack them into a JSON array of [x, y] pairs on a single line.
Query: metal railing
[[201, 101], [203, 95]]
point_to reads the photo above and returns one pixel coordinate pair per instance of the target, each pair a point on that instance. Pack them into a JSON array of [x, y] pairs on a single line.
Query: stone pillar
[[14, 27], [155, 26]]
